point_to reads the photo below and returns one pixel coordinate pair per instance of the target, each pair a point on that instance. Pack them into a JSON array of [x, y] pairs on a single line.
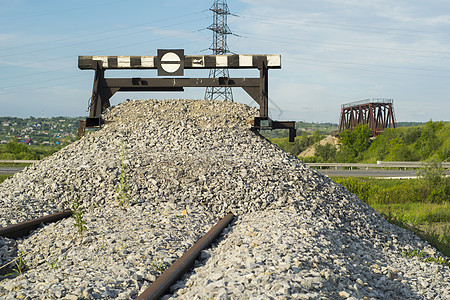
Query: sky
[[332, 51]]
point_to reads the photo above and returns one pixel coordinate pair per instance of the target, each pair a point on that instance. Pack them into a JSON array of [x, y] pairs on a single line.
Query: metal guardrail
[[379, 164], [18, 161]]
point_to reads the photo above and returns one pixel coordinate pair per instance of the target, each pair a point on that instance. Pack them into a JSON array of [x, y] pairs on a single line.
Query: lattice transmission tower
[[219, 46]]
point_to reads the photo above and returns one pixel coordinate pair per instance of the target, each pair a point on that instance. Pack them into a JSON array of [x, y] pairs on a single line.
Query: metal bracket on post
[[263, 122], [286, 125], [268, 124], [99, 100]]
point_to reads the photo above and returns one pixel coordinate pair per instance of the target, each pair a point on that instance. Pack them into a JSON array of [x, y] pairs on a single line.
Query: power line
[[366, 48], [381, 66], [21, 17], [88, 42], [5, 90], [39, 88], [384, 66], [335, 26], [326, 64], [101, 50], [53, 80]]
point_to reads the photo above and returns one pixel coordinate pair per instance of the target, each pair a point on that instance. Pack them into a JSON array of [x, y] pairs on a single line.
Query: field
[[3, 177], [410, 204]]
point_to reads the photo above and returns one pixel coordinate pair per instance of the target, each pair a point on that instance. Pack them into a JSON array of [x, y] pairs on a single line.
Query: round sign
[[170, 62]]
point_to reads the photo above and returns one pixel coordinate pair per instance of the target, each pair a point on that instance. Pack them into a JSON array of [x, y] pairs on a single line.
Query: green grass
[[3, 177], [423, 256], [417, 213], [408, 204], [383, 183], [424, 190], [436, 234]]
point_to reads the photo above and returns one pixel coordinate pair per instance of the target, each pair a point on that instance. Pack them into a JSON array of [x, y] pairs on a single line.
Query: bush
[[388, 146], [412, 134], [435, 187], [325, 153], [3, 177], [360, 187], [428, 143], [15, 150], [299, 145], [7, 156], [355, 142], [444, 154], [308, 159], [317, 136], [345, 155], [411, 144], [404, 193], [398, 151]]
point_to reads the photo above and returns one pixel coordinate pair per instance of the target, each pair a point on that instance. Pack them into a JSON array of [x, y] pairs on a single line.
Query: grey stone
[[296, 233]]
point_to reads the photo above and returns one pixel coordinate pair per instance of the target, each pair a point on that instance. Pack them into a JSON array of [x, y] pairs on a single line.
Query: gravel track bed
[[115, 258], [187, 163], [280, 254]]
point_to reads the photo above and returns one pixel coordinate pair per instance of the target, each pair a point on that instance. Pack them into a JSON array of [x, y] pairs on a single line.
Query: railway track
[[24, 228], [158, 288], [162, 284]]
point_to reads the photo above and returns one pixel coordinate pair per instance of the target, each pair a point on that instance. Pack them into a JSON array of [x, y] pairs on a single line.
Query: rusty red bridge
[[378, 113]]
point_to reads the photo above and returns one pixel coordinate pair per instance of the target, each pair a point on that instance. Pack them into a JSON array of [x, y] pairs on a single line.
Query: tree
[[355, 142], [428, 143], [398, 151], [325, 153], [317, 136], [435, 185], [20, 151]]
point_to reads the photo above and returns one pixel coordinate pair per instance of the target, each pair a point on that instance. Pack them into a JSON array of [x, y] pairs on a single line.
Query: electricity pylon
[[219, 46]]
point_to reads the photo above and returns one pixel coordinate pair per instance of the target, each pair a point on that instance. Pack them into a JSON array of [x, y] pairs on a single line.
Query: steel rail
[[22, 229], [158, 288]]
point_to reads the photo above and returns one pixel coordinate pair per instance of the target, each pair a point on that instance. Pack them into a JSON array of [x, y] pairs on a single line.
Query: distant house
[[27, 141]]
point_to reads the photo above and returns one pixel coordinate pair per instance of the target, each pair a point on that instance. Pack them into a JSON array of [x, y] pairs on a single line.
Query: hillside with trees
[[416, 143], [422, 204], [35, 138]]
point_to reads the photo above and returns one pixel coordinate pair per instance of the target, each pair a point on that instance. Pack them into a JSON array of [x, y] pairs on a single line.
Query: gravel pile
[[184, 164]]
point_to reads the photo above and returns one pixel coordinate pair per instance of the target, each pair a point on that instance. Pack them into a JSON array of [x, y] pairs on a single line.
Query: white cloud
[[333, 51], [6, 37], [338, 51]]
